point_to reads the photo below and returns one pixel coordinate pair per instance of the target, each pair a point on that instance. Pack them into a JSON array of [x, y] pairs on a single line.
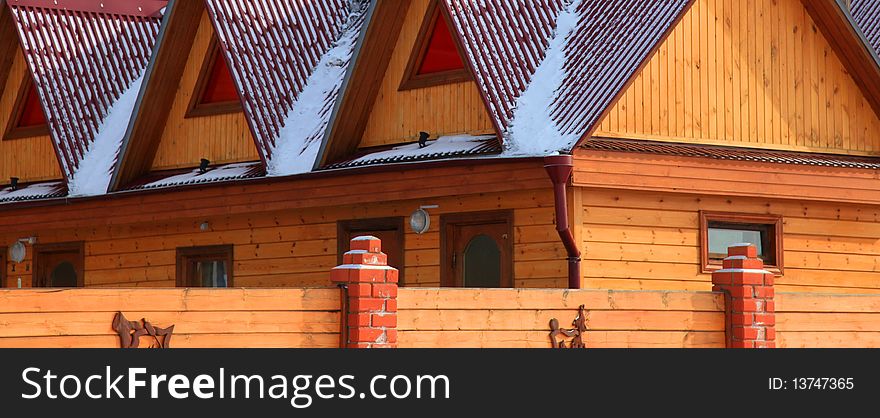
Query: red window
[[31, 112], [215, 91], [219, 87], [442, 54], [435, 57]]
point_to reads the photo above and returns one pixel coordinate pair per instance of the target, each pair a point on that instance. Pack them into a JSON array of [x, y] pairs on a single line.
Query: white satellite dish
[[17, 252]]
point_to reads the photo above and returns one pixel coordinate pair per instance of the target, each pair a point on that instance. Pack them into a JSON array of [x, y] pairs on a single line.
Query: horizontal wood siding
[[30, 159], [520, 318], [650, 240], [297, 246], [827, 321], [399, 116], [220, 138], [757, 74], [247, 318]]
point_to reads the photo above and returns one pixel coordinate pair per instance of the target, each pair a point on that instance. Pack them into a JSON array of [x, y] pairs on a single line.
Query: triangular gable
[[559, 63], [88, 86], [205, 120], [781, 85], [273, 52]]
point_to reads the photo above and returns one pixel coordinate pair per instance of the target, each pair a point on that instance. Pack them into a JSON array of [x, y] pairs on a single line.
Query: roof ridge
[[138, 8]]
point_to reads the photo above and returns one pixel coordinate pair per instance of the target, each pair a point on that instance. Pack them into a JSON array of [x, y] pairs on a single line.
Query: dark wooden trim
[[447, 222], [198, 109], [12, 131], [40, 250], [411, 78], [774, 221], [367, 70], [396, 224], [162, 80], [3, 266], [185, 254], [8, 44]]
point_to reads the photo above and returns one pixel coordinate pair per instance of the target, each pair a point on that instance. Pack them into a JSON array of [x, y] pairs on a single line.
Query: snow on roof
[[83, 61], [216, 174], [299, 141], [33, 191], [444, 147], [548, 68], [278, 52]]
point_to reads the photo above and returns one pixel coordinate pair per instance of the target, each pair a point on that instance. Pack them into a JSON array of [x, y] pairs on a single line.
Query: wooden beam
[[162, 79], [370, 63]]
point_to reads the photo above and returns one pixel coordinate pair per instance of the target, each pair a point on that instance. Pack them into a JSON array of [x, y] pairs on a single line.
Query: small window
[[215, 91], [27, 119], [436, 56], [389, 230], [719, 231], [59, 265], [205, 266]]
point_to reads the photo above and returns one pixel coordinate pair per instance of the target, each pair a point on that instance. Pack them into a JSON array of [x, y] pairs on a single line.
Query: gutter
[[560, 168]]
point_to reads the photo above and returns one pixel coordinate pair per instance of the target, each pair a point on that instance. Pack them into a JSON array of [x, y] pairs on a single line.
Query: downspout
[[560, 168]]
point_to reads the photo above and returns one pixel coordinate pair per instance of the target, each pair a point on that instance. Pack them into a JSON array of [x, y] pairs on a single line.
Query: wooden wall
[[221, 138], [251, 318], [399, 116], [520, 318], [30, 159], [298, 247], [650, 240], [827, 321], [752, 73]]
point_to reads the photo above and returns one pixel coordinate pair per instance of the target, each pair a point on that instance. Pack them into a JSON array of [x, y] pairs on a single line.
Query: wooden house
[[620, 144]]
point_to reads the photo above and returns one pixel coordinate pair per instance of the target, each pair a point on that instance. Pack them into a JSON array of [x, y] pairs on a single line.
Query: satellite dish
[[17, 252]]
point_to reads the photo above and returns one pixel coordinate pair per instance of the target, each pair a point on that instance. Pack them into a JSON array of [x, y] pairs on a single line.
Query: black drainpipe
[[560, 167]]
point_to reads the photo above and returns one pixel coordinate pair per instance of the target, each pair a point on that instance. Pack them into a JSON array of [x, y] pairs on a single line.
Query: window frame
[[4, 265], [198, 109], [772, 222], [12, 131], [396, 224], [411, 78], [185, 255], [42, 250]]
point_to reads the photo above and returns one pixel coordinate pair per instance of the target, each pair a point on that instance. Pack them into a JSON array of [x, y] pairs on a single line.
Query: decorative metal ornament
[[576, 334], [17, 252], [420, 221], [130, 332]]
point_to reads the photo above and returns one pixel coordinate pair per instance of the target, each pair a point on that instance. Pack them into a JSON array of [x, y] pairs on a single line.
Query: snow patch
[[533, 130], [195, 176], [299, 141], [445, 145], [92, 178], [30, 191]]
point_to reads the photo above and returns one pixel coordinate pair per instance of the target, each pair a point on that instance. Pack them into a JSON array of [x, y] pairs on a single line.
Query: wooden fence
[[218, 318], [827, 320], [518, 318]]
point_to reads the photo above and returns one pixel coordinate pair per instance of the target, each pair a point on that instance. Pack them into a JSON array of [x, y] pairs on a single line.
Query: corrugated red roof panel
[[273, 47], [83, 58], [731, 153], [867, 15], [506, 42]]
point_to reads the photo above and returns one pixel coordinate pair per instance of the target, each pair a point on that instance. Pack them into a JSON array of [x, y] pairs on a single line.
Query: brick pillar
[[748, 290], [372, 295]]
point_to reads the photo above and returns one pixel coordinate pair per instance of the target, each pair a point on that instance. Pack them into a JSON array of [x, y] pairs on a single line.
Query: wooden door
[[478, 250], [58, 265], [389, 230]]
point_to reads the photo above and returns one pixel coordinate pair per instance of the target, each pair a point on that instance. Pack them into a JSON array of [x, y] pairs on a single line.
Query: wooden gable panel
[[399, 116], [221, 138], [29, 159], [755, 74]]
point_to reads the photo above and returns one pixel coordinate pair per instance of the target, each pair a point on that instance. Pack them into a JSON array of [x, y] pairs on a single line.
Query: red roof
[[506, 41], [272, 47], [83, 55]]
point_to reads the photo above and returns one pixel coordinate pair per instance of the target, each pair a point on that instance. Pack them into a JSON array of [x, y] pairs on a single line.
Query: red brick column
[[748, 290], [371, 308]]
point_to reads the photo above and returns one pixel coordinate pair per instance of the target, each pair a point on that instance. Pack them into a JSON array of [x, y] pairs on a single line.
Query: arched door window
[[477, 250]]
